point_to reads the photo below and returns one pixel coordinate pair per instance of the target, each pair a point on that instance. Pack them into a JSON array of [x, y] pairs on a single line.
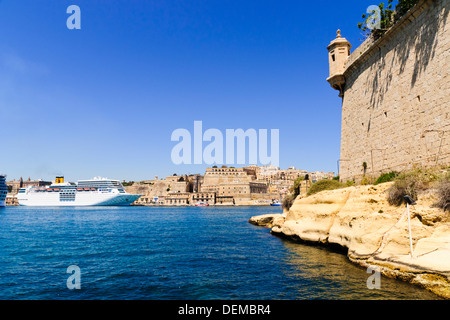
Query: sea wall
[[396, 106], [372, 232]]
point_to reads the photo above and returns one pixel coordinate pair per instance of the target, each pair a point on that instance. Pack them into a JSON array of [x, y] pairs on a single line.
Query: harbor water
[[171, 253]]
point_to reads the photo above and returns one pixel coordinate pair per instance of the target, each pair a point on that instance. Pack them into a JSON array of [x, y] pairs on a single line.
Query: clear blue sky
[[104, 100]]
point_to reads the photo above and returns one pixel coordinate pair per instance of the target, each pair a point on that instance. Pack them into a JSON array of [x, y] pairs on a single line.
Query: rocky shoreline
[[359, 221]]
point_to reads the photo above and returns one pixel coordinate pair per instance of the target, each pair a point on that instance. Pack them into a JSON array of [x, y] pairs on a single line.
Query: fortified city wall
[[216, 176], [396, 95]]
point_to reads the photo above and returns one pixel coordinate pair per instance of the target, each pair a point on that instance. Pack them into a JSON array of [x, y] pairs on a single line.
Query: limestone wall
[[158, 188], [396, 107], [225, 175]]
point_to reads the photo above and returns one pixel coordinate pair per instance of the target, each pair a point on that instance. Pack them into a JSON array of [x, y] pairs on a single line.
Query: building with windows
[[177, 199], [233, 185], [207, 197]]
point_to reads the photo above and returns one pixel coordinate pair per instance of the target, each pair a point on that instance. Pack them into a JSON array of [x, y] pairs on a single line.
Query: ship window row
[[65, 187], [100, 183], [96, 186], [65, 196]]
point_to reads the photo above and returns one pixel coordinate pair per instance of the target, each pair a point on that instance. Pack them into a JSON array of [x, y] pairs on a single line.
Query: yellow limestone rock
[[361, 220]]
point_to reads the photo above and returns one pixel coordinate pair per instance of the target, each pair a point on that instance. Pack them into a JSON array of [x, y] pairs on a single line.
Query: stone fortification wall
[[396, 103], [217, 176], [158, 188]]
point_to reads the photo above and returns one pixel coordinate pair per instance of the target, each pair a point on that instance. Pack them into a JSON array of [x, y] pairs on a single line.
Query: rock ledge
[[373, 233]]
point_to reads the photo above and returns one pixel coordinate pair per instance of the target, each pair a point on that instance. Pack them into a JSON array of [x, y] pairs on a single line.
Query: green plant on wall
[[403, 7], [386, 18]]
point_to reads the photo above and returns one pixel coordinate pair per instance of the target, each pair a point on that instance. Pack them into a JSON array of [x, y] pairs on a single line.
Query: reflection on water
[[330, 275]]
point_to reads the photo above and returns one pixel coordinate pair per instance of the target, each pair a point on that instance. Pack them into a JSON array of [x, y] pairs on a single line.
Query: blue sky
[[104, 100]]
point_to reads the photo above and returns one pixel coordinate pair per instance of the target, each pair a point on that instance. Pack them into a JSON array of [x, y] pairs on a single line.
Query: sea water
[[171, 253]]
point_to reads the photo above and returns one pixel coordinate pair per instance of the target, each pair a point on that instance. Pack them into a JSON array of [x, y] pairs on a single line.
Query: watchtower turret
[[339, 50]]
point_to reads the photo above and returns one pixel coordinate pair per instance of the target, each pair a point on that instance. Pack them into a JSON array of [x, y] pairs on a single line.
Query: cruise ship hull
[[87, 199], [2, 203]]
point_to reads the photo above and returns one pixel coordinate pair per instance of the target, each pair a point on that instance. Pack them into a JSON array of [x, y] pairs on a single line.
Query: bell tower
[[338, 52]]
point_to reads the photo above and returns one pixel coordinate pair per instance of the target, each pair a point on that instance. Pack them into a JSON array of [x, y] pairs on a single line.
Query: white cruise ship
[[95, 192], [3, 190]]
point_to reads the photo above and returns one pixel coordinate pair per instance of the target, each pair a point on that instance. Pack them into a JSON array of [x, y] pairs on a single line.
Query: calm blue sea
[[173, 254]]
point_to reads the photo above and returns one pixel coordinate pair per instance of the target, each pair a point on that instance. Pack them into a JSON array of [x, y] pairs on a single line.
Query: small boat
[[202, 204], [276, 203]]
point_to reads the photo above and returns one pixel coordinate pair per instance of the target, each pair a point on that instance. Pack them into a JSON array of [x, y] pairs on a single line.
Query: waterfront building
[[208, 197], [11, 200], [225, 200], [177, 199]]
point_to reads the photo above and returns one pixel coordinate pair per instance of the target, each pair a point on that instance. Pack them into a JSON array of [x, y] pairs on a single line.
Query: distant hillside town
[[251, 185]]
